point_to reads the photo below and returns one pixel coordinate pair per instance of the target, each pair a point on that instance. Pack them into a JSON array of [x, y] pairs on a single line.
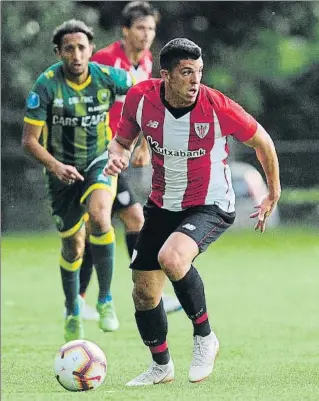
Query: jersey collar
[[201, 102], [79, 87]]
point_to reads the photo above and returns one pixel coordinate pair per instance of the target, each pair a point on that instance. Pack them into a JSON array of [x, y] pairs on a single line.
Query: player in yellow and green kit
[[66, 128]]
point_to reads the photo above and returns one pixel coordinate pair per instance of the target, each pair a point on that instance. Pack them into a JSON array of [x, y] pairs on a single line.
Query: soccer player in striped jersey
[[132, 53], [192, 201], [66, 128]]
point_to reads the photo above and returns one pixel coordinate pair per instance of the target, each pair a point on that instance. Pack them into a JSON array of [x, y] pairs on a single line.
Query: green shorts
[[68, 201]]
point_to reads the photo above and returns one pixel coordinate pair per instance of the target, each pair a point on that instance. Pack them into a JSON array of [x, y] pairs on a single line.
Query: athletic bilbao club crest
[[201, 129]]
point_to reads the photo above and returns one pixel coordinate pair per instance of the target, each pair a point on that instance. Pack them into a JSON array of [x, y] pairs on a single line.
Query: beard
[[74, 71]]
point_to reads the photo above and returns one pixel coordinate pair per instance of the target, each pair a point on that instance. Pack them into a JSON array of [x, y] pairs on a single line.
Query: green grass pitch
[[263, 302]]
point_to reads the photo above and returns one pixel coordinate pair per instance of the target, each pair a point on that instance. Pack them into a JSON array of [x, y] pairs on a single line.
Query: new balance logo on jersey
[[189, 227], [178, 153], [152, 124]]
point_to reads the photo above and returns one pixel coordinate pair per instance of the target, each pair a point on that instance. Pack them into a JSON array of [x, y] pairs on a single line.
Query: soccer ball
[[80, 365]]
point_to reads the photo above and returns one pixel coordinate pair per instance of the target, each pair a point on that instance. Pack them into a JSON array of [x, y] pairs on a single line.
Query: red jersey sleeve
[[128, 127], [234, 120], [102, 57]]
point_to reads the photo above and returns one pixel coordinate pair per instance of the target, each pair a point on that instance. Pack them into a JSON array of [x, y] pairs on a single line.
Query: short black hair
[[176, 50], [137, 9], [71, 26]]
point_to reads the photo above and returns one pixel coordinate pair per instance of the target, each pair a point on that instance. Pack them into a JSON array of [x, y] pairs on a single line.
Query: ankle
[[160, 354]]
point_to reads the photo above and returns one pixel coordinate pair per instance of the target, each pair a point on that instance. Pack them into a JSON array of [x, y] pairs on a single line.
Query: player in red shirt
[[132, 54], [192, 201]]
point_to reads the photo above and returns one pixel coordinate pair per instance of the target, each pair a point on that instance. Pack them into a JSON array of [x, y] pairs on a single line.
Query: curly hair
[[71, 26]]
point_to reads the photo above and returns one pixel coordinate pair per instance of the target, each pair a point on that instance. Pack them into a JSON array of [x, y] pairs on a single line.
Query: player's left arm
[[266, 153], [242, 126]]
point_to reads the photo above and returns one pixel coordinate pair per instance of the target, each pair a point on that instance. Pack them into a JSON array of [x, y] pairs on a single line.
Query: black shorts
[[125, 196], [204, 224]]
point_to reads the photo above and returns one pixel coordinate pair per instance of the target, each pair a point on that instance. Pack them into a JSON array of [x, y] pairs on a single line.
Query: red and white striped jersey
[[114, 55], [189, 154]]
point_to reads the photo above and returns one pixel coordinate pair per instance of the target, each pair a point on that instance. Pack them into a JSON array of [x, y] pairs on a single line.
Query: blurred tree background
[[265, 55]]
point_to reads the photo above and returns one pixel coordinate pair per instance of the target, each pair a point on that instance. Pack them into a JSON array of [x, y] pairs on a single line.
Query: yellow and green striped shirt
[[75, 118]]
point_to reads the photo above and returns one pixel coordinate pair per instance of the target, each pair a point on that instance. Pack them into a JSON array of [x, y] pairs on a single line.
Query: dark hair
[[176, 50], [135, 10], [71, 26]]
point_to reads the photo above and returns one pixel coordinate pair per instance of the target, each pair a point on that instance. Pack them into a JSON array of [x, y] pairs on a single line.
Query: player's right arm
[[121, 146], [141, 156], [34, 121], [30, 142]]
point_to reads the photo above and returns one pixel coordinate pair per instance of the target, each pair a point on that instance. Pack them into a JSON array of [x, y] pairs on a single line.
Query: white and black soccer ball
[[80, 365]]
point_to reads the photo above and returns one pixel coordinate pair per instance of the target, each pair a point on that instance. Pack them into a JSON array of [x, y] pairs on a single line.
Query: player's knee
[[169, 258], [100, 218], [171, 261], [73, 249]]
